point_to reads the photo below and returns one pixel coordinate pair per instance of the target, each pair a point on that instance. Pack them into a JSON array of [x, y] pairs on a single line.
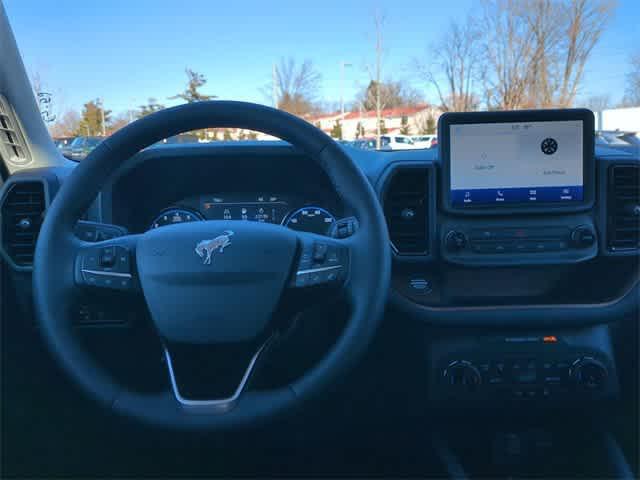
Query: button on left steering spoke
[[107, 265]]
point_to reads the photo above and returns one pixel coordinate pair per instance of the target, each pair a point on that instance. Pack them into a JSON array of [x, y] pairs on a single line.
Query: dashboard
[[484, 237], [520, 252]]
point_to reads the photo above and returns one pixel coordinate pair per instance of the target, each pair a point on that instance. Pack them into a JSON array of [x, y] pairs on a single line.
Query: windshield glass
[[364, 73]]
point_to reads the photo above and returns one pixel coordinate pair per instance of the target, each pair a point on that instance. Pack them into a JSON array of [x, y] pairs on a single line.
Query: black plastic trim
[[524, 316]]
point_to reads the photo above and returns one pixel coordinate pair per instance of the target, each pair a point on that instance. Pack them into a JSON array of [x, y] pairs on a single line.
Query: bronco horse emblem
[[206, 248]]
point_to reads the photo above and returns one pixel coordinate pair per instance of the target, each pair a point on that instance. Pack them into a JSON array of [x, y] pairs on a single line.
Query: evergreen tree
[[336, 130], [405, 129], [91, 120]]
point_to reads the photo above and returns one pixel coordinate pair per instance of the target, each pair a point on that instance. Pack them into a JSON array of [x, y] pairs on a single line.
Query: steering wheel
[[215, 283]]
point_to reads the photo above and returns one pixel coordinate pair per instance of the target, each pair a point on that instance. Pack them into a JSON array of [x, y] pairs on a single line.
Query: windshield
[[364, 73]]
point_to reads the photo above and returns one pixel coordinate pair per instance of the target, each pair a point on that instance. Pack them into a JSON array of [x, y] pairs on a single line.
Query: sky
[[128, 51]]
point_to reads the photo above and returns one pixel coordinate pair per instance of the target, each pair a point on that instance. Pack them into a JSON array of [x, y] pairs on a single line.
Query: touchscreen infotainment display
[[516, 163]]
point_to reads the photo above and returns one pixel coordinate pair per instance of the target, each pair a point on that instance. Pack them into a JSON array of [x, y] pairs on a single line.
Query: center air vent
[[22, 213], [623, 215], [13, 147], [406, 210]]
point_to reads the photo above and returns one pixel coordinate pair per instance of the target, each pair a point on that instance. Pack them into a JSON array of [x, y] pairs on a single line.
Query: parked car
[[364, 143], [64, 145], [425, 141], [62, 142], [81, 147], [396, 142], [182, 138]]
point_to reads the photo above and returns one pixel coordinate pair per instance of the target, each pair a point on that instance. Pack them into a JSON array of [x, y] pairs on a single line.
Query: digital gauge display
[[265, 208]]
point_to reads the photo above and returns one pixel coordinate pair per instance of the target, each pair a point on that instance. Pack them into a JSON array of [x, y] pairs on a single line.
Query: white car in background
[[425, 141], [396, 142]]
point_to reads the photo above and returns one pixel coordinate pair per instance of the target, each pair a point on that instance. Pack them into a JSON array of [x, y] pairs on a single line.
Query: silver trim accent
[[316, 270], [221, 405], [107, 274]]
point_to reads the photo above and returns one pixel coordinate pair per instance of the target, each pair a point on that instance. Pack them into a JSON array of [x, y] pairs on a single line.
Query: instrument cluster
[[271, 208]]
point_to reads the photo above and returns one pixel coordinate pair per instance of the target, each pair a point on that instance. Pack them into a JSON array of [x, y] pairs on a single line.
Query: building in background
[[362, 124]]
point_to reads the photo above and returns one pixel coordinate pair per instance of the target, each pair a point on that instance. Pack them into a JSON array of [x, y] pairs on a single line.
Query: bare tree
[[393, 94], [632, 92], [67, 125], [455, 67], [585, 21], [507, 50], [545, 25], [597, 103], [295, 87], [536, 50], [375, 73]]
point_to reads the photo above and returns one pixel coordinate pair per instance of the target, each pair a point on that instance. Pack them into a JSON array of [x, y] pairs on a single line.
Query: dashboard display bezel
[[448, 119]]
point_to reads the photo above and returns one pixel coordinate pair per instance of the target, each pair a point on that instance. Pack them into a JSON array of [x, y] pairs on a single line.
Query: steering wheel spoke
[[109, 265]]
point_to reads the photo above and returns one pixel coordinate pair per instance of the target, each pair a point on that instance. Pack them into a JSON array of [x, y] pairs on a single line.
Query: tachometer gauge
[[175, 215], [310, 219]]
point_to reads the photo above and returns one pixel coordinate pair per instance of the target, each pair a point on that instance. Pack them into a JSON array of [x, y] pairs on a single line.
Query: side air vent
[[623, 204], [406, 210], [13, 148], [22, 212]]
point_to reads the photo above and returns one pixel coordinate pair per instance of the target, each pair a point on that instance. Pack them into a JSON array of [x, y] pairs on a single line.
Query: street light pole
[[343, 64], [274, 85], [104, 130]]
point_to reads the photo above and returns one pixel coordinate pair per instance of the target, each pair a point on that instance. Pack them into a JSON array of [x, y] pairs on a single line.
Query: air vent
[[406, 210], [22, 212], [623, 216], [12, 144]]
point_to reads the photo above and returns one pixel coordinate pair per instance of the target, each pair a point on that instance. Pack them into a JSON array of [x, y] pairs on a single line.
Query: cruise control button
[[108, 257], [316, 278], [123, 260], [90, 260], [90, 278], [320, 252], [302, 280]]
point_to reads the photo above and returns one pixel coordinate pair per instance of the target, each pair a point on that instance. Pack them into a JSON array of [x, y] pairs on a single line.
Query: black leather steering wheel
[[215, 282]]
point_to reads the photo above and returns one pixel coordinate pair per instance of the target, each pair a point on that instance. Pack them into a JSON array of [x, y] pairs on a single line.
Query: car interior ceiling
[[500, 339]]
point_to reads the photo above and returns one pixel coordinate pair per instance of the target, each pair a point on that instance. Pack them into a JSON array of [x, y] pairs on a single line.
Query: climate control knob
[[461, 373], [455, 241], [583, 236], [589, 373]]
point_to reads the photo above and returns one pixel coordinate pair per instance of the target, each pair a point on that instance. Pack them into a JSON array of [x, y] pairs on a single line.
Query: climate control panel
[[473, 242], [547, 369]]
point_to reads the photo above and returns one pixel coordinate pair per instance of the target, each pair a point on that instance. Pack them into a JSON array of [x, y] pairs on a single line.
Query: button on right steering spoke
[[321, 263]]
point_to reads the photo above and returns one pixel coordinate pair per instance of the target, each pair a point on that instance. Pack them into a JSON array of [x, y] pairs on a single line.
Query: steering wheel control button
[[320, 252], [320, 263], [344, 227], [106, 267], [97, 232], [108, 257]]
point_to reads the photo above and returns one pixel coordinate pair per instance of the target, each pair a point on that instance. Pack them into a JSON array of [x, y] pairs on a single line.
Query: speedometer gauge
[[311, 219], [175, 215]]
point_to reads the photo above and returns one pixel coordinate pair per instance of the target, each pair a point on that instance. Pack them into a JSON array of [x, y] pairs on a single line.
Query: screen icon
[[549, 146]]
